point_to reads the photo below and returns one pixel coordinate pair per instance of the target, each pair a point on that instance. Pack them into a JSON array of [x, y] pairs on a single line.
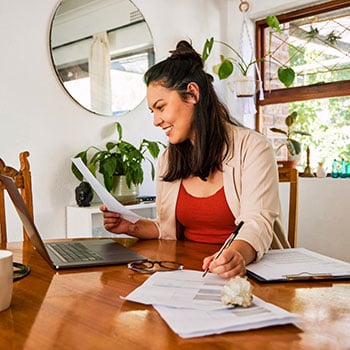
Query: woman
[[213, 174]]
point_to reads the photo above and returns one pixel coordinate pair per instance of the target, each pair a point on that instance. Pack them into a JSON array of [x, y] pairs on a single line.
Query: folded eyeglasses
[[151, 266]]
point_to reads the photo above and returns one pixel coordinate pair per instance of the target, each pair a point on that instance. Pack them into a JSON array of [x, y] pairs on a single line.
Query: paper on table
[[192, 305], [110, 202], [294, 263], [184, 288], [189, 323]]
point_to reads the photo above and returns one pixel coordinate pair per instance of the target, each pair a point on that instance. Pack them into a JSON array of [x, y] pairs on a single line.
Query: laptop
[[69, 254]]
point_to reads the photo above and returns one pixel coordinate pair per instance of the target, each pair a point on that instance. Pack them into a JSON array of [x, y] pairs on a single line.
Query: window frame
[[302, 93]]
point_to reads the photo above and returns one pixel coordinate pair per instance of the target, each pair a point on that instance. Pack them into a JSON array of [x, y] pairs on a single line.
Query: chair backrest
[[291, 175], [22, 178]]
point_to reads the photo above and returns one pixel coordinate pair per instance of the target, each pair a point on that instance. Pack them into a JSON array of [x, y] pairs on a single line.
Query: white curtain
[[99, 71]]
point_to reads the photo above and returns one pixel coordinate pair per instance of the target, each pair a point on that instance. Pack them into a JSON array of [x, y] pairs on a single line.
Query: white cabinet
[[88, 221]]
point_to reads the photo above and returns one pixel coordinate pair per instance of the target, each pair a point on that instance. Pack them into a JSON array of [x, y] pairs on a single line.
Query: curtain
[[99, 71]]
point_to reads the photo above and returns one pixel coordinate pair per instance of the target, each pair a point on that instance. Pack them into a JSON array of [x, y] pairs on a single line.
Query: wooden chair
[[22, 178], [291, 175]]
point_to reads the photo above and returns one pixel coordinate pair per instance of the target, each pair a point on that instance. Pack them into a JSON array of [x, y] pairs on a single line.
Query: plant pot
[[292, 162], [121, 191], [244, 86], [287, 164]]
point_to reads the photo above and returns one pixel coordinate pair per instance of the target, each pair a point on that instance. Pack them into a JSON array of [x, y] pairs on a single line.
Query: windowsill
[[301, 175]]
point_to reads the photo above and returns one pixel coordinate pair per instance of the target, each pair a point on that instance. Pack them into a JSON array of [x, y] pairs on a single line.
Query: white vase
[[121, 191], [321, 171], [244, 86]]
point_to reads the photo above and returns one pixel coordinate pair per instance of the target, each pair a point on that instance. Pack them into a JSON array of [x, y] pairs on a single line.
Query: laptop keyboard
[[73, 252]]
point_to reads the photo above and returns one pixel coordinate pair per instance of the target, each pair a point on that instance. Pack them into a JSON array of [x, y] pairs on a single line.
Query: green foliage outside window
[[317, 48], [327, 120]]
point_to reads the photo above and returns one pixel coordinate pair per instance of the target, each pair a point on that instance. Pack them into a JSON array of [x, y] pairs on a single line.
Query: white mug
[[6, 279]]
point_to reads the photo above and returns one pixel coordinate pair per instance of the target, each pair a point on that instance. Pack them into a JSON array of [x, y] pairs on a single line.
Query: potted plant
[[293, 146], [245, 85], [225, 67], [120, 164]]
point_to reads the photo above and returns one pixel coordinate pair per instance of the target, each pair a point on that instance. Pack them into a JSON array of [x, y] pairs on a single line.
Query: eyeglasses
[[151, 266], [20, 271]]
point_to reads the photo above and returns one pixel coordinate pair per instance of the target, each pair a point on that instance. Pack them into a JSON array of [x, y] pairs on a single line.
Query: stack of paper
[[191, 305], [281, 265]]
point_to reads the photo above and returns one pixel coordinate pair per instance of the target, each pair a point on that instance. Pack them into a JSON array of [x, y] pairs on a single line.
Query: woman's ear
[[193, 91]]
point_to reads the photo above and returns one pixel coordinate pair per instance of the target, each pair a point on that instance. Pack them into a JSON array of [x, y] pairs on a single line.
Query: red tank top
[[205, 219]]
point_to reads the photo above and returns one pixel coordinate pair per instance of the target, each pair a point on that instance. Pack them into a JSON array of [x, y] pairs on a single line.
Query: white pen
[[226, 244]]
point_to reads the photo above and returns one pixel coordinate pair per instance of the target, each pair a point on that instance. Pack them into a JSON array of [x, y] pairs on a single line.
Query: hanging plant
[[226, 66], [286, 75], [273, 22]]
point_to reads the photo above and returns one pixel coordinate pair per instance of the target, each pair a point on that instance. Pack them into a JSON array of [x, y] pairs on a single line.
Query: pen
[[307, 276], [226, 244]]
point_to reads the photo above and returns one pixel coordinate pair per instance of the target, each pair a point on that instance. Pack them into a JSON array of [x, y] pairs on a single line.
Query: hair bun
[[183, 44], [185, 51]]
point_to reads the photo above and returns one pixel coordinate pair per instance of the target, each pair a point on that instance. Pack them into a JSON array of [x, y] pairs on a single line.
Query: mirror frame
[[135, 18]]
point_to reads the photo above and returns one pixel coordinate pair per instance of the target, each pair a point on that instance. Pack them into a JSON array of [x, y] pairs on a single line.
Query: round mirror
[[100, 50]]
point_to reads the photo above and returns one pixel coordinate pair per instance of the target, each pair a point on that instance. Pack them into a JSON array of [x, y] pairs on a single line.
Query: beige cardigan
[[251, 189]]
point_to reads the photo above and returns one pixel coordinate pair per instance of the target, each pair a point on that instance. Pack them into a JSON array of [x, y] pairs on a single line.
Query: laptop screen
[[24, 215]]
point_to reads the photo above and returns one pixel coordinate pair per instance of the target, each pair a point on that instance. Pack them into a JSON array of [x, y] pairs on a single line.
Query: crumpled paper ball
[[237, 291]]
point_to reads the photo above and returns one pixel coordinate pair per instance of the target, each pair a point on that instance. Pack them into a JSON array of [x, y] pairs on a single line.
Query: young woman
[[213, 174]]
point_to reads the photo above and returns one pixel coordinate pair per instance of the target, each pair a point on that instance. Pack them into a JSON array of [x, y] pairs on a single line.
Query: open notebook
[[69, 254]]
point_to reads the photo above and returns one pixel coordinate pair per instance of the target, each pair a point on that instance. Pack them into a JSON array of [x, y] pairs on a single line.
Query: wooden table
[[82, 308]]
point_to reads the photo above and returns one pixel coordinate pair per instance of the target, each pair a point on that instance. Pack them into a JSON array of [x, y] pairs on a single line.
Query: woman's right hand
[[113, 222]]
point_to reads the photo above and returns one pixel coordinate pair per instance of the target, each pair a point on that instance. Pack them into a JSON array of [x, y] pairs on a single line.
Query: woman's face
[[171, 113]]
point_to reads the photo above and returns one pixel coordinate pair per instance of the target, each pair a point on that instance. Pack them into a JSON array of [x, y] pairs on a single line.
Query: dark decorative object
[[83, 194], [307, 171]]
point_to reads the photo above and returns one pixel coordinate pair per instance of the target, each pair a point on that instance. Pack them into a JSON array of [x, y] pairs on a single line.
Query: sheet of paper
[[184, 288], [192, 307], [111, 203], [189, 323], [284, 263]]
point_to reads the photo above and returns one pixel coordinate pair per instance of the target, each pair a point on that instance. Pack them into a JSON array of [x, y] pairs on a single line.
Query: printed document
[[297, 263], [191, 305], [180, 289], [110, 202]]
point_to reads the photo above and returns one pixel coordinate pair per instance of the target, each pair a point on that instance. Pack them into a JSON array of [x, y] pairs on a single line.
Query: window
[[315, 42]]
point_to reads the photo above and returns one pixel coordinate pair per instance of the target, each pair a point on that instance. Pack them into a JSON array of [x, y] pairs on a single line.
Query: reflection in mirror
[[100, 50]]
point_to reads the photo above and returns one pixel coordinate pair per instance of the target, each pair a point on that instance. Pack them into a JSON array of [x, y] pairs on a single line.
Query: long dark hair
[[206, 154]]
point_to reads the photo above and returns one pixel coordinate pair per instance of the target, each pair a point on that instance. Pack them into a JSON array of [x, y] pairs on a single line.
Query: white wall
[[37, 115], [323, 220]]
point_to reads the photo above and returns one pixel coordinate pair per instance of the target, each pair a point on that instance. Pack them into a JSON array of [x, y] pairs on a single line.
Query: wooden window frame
[[303, 93]]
